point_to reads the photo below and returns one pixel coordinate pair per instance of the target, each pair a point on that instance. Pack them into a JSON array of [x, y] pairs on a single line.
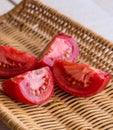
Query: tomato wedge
[[80, 79], [32, 87], [13, 62], [63, 47]]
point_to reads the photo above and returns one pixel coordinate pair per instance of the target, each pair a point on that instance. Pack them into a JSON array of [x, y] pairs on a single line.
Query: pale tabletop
[[94, 14]]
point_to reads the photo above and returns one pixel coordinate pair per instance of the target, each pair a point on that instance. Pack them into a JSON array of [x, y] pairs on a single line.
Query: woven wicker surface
[[30, 27]]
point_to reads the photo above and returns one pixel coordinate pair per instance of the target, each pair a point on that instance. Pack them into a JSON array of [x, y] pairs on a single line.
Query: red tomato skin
[[13, 89], [62, 82], [45, 61], [23, 62]]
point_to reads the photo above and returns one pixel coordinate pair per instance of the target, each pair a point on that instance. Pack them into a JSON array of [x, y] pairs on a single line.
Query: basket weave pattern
[[30, 27]]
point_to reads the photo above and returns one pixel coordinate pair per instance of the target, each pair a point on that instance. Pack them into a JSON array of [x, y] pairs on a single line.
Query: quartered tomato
[[13, 62], [32, 87], [80, 79], [63, 47]]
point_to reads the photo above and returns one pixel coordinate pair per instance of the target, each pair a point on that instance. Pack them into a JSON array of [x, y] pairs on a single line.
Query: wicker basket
[[30, 27]]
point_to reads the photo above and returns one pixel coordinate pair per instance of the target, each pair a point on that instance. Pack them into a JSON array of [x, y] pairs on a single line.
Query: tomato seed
[[46, 82], [38, 92], [20, 65], [67, 55], [35, 92], [43, 87], [70, 51], [3, 65], [47, 77], [63, 57], [73, 82], [85, 85]]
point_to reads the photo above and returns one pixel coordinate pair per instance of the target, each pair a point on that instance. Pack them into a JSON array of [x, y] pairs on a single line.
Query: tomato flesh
[[63, 47], [32, 87], [80, 79], [13, 62]]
